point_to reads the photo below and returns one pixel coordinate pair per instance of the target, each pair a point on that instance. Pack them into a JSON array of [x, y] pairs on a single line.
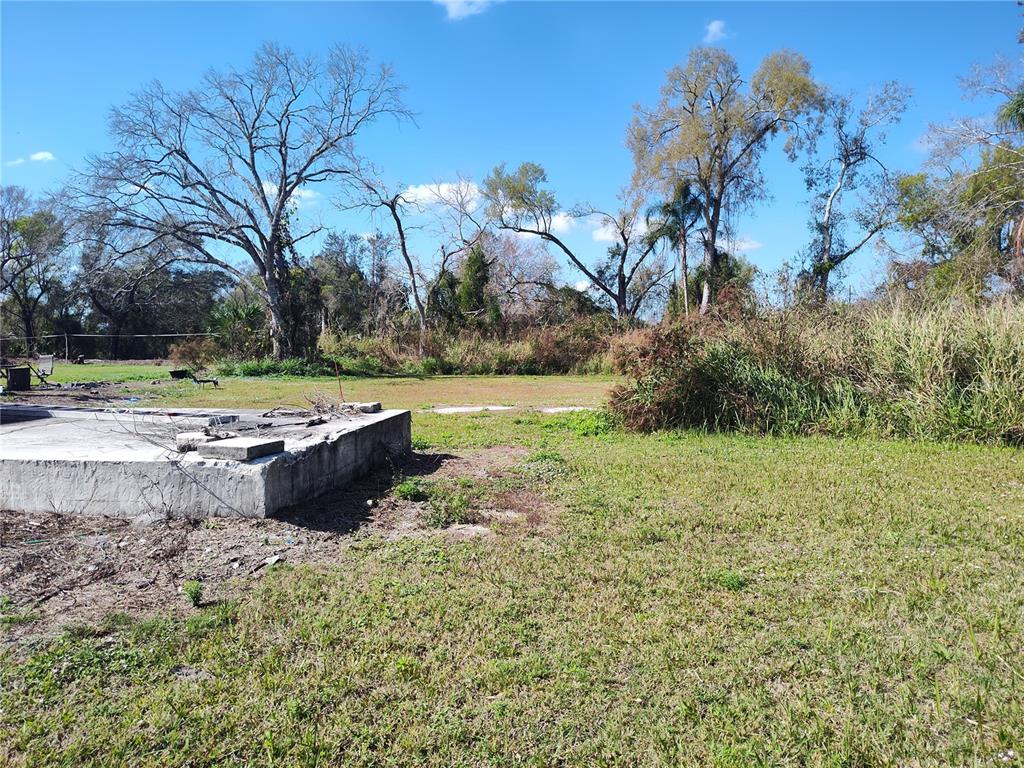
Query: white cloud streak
[[302, 197], [745, 244], [35, 157], [437, 193], [463, 9]]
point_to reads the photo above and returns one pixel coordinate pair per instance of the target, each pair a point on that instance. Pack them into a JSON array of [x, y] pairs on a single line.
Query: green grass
[[701, 600], [65, 373], [393, 392]]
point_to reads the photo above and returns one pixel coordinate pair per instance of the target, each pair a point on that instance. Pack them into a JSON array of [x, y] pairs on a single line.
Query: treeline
[[198, 222]]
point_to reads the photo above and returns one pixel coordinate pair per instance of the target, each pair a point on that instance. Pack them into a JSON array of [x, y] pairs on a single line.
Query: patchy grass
[[705, 600], [394, 392], [400, 392]]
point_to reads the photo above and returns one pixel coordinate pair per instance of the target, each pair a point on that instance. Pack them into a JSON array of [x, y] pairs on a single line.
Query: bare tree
[[377, 197], [517, 202], [229, 163], [711, 130], [522, 273], [849, 164], [449, 209]]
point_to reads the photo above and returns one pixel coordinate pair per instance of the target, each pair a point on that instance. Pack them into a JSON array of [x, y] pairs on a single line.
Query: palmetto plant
[[674, 220]]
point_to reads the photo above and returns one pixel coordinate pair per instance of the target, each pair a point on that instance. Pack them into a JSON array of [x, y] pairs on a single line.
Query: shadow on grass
[[347, 509]]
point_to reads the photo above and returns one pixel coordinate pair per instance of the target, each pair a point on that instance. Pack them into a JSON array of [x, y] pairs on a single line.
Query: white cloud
[[715, 31], [604, 233], [18, 161], [432, 194], [582, 285], [562, 222], [463, 9], [41, 157], [303, 197], [745, 244]]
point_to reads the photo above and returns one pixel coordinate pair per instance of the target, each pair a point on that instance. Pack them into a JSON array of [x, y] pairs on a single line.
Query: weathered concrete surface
[[132, 468], [239, 448], [14, 412]]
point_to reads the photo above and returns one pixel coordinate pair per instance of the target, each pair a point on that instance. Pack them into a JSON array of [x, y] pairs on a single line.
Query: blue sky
[[550, 82]]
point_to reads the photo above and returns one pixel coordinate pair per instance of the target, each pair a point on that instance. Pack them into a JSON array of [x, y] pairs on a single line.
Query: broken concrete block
[[368, 407], [240, 448], [188, 441]]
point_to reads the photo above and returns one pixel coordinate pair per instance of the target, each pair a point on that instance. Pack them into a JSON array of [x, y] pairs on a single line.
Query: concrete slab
[[15, 412], [132, 468], [239, 448], [187, 441]]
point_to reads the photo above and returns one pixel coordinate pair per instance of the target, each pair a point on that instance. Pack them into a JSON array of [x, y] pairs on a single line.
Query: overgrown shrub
[[291, 366], [195, 353], [577, 347], [950, 372]]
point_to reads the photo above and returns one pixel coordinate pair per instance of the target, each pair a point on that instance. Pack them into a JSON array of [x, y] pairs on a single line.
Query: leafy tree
[[474, 277], [443, 306], [149, 292], [36, 261], [344, 288], [711, 128], [734, 278]]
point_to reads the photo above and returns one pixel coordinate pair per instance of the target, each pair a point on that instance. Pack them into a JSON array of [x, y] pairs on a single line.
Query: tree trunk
[[278, 324], [686, 277], [710, 264], [422, 315], [710, 256], [28, 324], [115, 341], [622, 295]]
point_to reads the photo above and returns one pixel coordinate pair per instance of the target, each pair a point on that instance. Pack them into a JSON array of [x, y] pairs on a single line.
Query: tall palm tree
[[673, 220]]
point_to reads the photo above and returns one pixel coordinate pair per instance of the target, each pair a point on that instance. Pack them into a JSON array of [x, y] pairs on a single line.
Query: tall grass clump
[[944, 372]]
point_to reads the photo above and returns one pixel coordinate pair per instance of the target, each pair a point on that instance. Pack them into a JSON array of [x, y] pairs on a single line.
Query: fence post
[[66, 356]]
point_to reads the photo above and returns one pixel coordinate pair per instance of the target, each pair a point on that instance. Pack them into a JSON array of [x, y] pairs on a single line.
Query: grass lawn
[[65, 373], [396, 392], [698, 600], [393, 391]]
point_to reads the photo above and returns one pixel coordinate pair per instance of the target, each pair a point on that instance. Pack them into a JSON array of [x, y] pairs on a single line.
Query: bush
[[949, 372], [291, 366], [195, 354], [577, 347]]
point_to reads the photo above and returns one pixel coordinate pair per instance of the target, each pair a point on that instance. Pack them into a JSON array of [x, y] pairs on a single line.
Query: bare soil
[[60, 569], [94, 394]]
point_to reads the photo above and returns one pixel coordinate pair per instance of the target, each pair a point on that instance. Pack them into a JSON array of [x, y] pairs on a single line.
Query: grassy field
[[697, 600], [65, 373], [393, 391]]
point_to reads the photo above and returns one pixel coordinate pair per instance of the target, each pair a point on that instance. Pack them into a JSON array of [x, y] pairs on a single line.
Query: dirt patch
[[59, 569]]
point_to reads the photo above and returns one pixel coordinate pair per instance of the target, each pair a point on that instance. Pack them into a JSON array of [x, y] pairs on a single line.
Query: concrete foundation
[[128, 465]]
